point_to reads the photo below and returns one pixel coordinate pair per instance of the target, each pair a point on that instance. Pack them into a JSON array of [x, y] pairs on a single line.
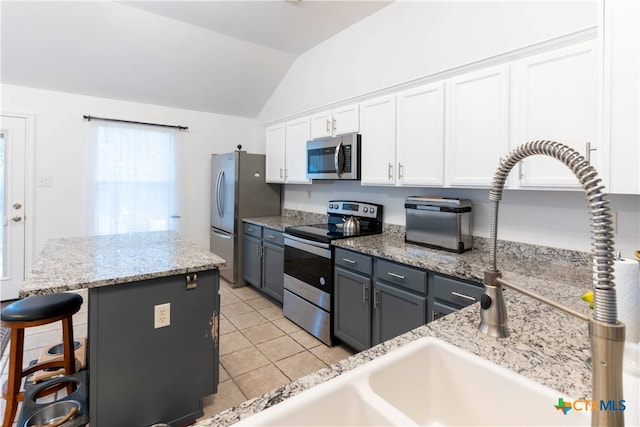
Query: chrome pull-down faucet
[[606, 333]]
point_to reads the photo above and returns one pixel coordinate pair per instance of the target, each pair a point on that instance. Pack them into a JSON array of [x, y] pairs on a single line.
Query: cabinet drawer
[[402, 275], [353, 261], [252, 230], [273, 236], [455, 291]]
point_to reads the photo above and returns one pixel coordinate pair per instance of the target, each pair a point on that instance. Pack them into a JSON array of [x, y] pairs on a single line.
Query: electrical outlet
[[161, 315]]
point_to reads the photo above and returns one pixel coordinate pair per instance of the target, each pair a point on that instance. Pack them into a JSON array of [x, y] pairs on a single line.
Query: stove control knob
[[331, 206], [372, 210], [365, 210]]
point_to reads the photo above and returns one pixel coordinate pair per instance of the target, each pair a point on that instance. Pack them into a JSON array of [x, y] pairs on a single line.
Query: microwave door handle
[[336, 159]]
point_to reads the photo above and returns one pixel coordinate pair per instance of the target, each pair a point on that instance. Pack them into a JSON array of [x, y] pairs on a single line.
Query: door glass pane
[[3, 235]]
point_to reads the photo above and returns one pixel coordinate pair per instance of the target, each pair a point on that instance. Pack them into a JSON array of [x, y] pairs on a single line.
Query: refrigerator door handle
[[223, 235], [218, 199]]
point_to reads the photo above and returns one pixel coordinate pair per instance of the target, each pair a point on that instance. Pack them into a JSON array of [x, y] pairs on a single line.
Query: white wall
[[551, 218], [409, 40], [61, 141]]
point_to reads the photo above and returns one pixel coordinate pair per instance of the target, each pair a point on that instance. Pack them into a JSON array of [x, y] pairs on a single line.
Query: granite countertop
[[88, 262], [281, 222], [545, 345]]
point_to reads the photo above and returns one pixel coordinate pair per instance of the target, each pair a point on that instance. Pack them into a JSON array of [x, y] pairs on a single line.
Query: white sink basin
[[428, 383]]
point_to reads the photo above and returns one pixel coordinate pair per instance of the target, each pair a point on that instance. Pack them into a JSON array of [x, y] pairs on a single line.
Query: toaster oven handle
[[337, 157]]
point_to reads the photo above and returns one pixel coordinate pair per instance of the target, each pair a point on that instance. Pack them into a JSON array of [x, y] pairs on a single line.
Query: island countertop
[[67, 264]]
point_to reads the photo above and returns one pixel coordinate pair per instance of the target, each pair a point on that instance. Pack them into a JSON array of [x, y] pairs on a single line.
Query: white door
[[275, 157], [421, 135], [558, 101], [477, 126], [297, 133], [13, 143], [378, 146]]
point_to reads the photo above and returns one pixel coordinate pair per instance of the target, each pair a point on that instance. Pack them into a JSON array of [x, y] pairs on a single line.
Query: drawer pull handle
[[271, 236], [467, 297], [396, 275], [349, 260]]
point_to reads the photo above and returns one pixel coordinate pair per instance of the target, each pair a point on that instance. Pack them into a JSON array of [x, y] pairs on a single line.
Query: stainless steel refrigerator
[[238, 190]]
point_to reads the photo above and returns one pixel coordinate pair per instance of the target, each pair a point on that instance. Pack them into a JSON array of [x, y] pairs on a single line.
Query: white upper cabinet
[[556, 98], [420, 142], [275, 154], [286, 152], [378, 146], [335, 122], [296, 136], [477, 125], [622, 95]]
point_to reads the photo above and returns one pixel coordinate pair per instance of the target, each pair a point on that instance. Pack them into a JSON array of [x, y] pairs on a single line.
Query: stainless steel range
[[308, 266]]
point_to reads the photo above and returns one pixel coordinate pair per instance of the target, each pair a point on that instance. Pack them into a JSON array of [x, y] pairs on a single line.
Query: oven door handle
[[317, 248]]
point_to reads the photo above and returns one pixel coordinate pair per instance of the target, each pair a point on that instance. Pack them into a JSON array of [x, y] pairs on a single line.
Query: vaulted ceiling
[[224, 57]]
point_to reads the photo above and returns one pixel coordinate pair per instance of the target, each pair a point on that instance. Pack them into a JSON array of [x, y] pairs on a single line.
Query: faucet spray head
[[493, 312]]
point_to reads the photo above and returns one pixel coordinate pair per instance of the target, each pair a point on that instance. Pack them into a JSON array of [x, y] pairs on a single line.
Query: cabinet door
[[622, 95], [378, 147], [297, 134], [396, 311], [557, 100], [252, 261], [346, 119], [273, 270], [476, 125], [421, 136], [275, 153], [321, 125], [439, 310], [352, 316]]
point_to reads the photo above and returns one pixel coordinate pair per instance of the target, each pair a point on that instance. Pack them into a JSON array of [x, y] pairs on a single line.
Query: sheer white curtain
[[133, 178]]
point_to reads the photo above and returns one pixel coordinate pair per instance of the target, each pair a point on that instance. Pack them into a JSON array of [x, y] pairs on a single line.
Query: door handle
[[218, 183], [336, 159]]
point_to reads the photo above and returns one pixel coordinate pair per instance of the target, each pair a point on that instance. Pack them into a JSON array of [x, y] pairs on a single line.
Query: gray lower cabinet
[[273, 265], [371, 308], [263, 263], [140, 375], [252, 257], [352, 319], [449, 294], [399, 299], [396, 311]]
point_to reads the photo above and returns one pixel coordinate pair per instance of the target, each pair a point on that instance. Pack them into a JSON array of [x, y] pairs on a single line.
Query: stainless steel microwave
[[336, 157]]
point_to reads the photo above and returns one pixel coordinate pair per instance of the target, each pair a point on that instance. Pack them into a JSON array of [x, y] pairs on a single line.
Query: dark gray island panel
[[140, 375]]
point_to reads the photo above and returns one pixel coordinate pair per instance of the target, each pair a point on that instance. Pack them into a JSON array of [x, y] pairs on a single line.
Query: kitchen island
[[545, 345], [141, 372]]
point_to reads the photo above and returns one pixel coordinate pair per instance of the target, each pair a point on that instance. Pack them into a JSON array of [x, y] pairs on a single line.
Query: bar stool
[[27, 313]]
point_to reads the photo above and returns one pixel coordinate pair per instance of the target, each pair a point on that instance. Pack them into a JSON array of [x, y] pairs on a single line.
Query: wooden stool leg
[[15, 375], [69, 350]]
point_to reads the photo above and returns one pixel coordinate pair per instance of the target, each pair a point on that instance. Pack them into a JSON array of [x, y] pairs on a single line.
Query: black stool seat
[[41, 307]]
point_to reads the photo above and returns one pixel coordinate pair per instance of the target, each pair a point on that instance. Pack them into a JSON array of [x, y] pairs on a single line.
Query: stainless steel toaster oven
[[439, 222]]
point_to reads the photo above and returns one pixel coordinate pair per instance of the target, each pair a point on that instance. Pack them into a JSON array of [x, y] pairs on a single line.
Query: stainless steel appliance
[[308, 266], [238, 190], [337, 157], [439, 222]]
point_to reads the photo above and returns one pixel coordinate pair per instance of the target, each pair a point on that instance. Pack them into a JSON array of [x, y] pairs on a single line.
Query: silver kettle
[[351, 226]]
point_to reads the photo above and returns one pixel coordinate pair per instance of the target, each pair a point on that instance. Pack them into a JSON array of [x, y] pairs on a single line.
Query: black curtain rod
[[86, 117]]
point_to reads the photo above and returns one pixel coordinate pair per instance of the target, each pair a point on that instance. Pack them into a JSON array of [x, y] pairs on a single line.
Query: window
[[133, 178]]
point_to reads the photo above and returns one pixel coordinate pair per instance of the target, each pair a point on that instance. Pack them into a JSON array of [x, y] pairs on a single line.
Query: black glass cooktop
[[324, 233]]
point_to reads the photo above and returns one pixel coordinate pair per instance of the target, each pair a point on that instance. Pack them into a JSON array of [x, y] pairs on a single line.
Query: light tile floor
[[260, 349]]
